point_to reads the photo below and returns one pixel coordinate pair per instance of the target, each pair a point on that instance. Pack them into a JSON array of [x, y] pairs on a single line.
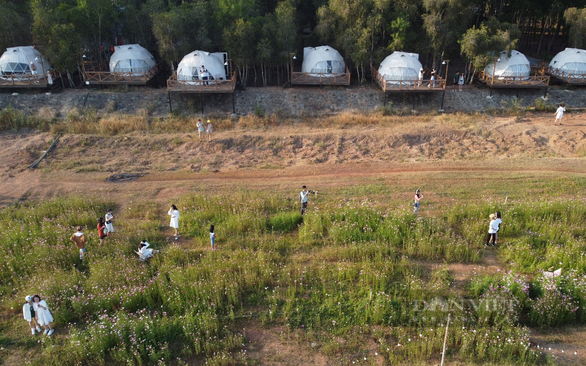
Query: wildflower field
[[364, 281]]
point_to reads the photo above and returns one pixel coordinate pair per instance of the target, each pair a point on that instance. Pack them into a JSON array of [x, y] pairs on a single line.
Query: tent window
[[329, 67], [15, 68]]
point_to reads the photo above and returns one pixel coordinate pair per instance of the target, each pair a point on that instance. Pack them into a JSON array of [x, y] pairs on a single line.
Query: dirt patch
[[565, 345]]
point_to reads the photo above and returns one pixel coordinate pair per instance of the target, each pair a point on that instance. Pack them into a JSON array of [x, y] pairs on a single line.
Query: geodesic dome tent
[[571, 61], [322, 60], [23, 60], [399, 67], [517, 66], [132, 58], [190, 66]]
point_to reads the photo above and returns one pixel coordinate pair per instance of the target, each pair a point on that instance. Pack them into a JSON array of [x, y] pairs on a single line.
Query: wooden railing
[[408, 85], [314, 78], [566, 77], [515, 81], [24, 81], [201, 86], [107, 77]]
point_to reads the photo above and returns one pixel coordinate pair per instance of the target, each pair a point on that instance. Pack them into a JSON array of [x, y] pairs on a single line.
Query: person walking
[[461, 82], [456, 80], [80, 241], [304, 199], [213, 237], [109, 222], [209, 130], [28, 311], [101, 229], [492, 229], [559, 114], [498, 221], [174, 213], [44, 317], [416, 201], [199, 128]]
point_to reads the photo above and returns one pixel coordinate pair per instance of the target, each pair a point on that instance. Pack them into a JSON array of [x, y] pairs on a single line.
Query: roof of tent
[[322, 59], [570, 61], [400, 66], [18, 60], [131, 58], [190, 65], [517, 65]]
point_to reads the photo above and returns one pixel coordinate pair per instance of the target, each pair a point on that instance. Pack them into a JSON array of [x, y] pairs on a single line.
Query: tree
[[98, 22], [240, 41], [483, 44], [576, 18], [14, 26]]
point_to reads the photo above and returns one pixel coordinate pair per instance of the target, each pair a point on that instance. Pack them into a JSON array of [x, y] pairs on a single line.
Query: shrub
[[285, 221]]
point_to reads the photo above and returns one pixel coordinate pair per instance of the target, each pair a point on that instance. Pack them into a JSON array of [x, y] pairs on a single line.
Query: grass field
[[359, 279]]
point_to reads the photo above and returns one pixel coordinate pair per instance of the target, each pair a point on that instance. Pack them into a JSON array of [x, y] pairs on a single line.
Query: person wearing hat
[[43, 315], [28, 311], [80, 241], [418, 197], [492, 229], [209, 130]]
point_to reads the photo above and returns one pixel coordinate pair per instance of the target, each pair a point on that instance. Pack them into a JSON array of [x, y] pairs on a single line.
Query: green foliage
[[285, 221], [12, 119], [576, 19], [483, 44]]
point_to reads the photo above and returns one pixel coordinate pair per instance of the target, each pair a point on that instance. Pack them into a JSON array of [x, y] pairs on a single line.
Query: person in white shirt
[[559, 114], [304, 199], [421, 72], [416, 199], [498, 220], [145, 251], [28, 311], [43, 315], [109, 222], [174, 213], [461, 82], [492, 229]]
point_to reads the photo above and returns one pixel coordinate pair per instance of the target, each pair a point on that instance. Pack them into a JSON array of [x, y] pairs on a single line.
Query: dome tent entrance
[[321, 65], [400, 71], [517, 65], [129, 64], [190, 67], [23, 66], [569, 66]]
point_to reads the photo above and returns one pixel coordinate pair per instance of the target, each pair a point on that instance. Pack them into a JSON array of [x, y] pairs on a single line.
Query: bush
[[285, 222]]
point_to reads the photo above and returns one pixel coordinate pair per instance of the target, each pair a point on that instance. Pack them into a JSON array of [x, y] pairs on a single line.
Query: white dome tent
[[26, 60], [189, 68], [322, 60], [517, 66], [132, 58], [571, 61], [400, 68]]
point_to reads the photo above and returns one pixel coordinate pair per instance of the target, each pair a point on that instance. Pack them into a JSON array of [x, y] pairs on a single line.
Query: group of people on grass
[[209, 129], [36, 313]]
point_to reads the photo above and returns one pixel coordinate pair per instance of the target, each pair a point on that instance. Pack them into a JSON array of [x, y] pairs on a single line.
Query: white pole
[[445, 340]]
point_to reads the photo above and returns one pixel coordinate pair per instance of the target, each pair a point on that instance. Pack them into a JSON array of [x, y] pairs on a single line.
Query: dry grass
[[47, 113]]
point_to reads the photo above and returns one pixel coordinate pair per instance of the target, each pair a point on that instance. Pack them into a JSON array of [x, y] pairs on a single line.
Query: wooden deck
[[426, 85], [24, 81], [311, 78], [533, 81], [571, 79], [201, 87], [96, 76]]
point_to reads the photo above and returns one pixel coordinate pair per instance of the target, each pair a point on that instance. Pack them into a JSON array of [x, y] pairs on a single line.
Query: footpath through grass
[[347, 270]]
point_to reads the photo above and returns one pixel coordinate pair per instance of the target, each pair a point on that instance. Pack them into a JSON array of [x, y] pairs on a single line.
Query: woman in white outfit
[[174, 213], [109, 222], [28, 311], [145, 251], [43, 315]]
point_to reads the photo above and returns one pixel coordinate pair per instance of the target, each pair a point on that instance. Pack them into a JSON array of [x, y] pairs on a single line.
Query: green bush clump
[[285, 221]]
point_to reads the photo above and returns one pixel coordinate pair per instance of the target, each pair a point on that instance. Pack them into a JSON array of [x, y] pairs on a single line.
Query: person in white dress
[[43, 315], [209, 130], [559, 114], [28, 311], [109, 222], [144, 250], [461, 82], [174, 213]]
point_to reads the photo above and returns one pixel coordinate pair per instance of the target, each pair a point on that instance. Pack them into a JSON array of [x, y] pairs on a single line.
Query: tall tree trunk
[[542, 33], [555, 34]]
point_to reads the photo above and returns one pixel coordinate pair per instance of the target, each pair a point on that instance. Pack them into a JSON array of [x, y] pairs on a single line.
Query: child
[[559, 114], [80, 241], [28, 311], [213, 237], [209, 130], [44, 317], [199, 128]]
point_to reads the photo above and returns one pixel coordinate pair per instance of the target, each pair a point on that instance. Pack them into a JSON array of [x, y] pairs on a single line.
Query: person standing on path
[[174, 213], [209, 130], [416, 203], [28, 311], [304, 199], [44, 317], [456, 80], [101, 227], [461, 82], [492, 229], [109, 222], [80, 241], [213, 237], [559, 114], [199, 128], [498, 221]]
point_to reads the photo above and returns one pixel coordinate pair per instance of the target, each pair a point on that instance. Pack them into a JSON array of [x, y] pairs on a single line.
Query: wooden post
[[445, 340]]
